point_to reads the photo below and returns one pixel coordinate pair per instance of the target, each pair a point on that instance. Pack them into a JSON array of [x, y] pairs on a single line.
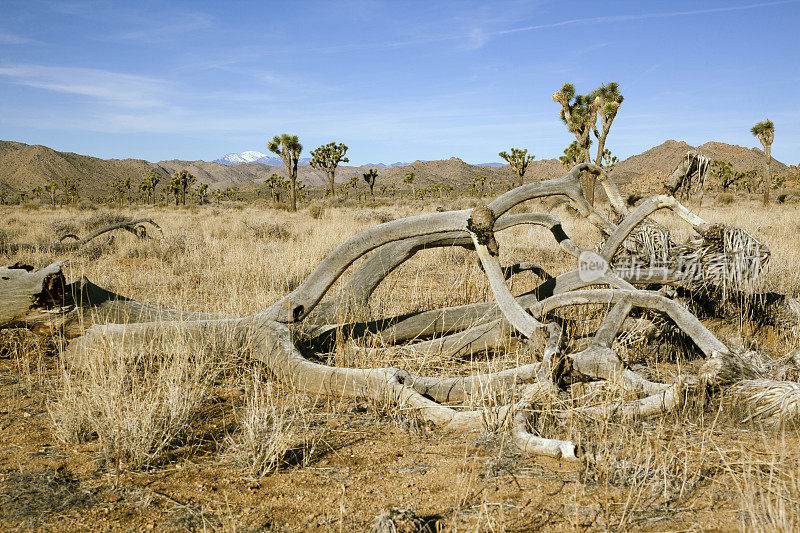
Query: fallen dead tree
[[45, 302], [70, 241]]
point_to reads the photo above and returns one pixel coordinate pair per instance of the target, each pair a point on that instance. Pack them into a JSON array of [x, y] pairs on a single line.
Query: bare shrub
[[278, 231], [269, 436], [380, 217], [724, 198], [30, 496], [166, 249], [65, 226], [139, 402], [316, 211]]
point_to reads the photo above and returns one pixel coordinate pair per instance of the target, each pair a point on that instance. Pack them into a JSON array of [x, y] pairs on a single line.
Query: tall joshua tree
[[369, 177], [518, 160], [765, 131], [327, 157], [289, 148], [579, 113], [610, 102]]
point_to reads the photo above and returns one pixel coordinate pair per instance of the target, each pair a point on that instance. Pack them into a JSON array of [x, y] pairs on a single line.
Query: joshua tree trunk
[[768, 177], [590, 179]]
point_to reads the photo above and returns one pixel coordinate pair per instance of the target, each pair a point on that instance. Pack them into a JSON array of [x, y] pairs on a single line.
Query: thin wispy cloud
[[10, 38], [166, 28], [640, 16], [110, 87], [477, 37]]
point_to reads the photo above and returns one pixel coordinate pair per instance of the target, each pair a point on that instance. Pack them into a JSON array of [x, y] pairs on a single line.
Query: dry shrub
[[279, 231], [66, 226], [103, 218], [166, 249], [316, 211], [724, 198], [269, 435], [380, 217], [6, 236], [138, 401]]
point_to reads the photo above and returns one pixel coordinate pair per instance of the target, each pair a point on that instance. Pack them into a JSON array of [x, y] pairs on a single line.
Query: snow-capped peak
[[249, 156]]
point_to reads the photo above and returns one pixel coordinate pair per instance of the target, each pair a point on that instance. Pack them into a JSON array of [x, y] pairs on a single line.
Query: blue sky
[[394, 80]]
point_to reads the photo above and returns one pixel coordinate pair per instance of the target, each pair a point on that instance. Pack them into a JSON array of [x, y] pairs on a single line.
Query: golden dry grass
[[153, 409]]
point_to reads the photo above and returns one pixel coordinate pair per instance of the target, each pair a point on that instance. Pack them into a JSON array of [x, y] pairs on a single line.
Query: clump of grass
[[269, 433], [170, 248], [139, 402], [316, 211], [724, 198], [270, 230], [379, 217]]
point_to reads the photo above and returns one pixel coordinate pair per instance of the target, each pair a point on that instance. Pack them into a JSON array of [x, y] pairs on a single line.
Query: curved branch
[[644, 210], [60, 246]]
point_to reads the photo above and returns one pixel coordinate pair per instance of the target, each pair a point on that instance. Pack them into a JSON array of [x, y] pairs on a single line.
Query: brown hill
[[23, 167], [646, 171]]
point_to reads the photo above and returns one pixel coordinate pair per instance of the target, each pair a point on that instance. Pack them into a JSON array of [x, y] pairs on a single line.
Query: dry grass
[[139, 402], [145, 407]]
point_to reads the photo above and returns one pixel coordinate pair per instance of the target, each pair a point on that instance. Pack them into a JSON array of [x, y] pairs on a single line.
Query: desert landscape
[[399, 267], [193, 432]]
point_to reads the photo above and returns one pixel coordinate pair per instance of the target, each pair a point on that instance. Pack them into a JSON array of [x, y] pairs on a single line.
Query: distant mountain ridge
[[251, 156], [23, 167]]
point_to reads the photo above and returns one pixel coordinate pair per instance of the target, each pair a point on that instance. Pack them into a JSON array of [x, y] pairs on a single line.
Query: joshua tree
[[477, 185], [275, 183], [353, 183], [518, 160], [289, 148], [723, 171], [409, 178], [369, 177], [179, 185], [327, 158], [37, 191], [69, 186], [120, 189], [608, 161], [51, 188], [579, 113], [610, 101], [148, 186], [765, 131], [572, 155], [202, 192]]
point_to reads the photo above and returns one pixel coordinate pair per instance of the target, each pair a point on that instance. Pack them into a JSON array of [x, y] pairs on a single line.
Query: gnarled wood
[[137, 227]]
